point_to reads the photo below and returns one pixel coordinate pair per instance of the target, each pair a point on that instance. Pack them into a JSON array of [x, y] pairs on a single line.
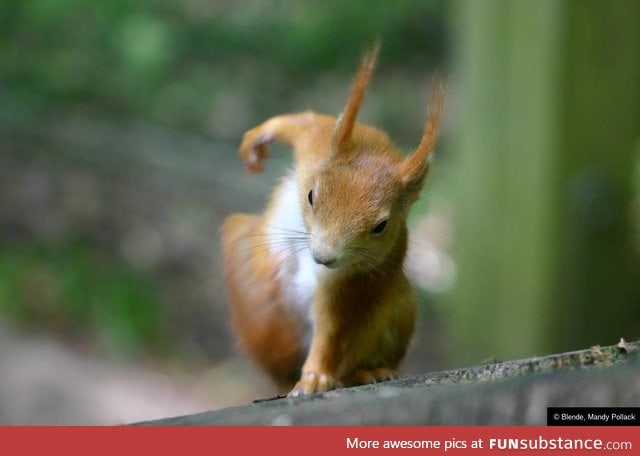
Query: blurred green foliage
[[78, 292], [165, 61], [215, 67], [201, 66]]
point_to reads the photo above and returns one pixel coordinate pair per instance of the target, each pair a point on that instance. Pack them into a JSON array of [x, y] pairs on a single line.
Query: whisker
[[278, 242]]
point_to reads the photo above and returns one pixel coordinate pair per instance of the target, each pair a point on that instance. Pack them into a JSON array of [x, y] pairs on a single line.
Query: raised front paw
[[254, 151], [367, 376], [313, 382]]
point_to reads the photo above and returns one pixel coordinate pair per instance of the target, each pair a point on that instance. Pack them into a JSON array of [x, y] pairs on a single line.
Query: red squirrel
[[318, 295]]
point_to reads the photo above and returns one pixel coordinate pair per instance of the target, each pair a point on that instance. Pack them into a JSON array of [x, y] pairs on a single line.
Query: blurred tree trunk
[[549, 124]]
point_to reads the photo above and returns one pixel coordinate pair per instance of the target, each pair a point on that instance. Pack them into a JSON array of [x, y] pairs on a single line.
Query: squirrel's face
[[355, 206], [354, 213]]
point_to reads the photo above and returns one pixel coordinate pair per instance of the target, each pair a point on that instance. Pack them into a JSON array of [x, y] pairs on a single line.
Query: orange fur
[[345, 207], [267, 331]]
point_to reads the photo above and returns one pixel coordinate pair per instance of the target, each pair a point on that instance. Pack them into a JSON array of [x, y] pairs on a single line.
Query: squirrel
[[318, 295]]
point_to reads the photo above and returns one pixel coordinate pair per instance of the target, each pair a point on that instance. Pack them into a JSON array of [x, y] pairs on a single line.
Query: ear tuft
[[415, 167], [347, 120]]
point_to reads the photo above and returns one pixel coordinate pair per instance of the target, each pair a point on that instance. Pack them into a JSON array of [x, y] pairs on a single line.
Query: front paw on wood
[[313, 382], [368, 376]]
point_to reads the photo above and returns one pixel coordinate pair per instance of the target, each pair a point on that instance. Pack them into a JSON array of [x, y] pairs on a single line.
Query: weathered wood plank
[[509, 393]]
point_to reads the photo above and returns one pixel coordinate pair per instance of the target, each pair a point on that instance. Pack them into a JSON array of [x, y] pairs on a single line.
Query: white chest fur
[[299, 274]]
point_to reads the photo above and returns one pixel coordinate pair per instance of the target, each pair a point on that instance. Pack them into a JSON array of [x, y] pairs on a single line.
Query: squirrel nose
[[324, 260], [325, 252], [323, 255]]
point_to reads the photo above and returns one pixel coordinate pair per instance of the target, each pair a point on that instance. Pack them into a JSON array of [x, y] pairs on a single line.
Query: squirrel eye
[[310, 197], [380, 227]]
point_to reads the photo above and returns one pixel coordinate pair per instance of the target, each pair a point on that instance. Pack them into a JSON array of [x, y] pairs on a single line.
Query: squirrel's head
[[356, 202]]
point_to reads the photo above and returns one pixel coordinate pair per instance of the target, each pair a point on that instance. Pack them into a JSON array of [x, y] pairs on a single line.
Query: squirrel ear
[[414, 168], [347, 120]]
